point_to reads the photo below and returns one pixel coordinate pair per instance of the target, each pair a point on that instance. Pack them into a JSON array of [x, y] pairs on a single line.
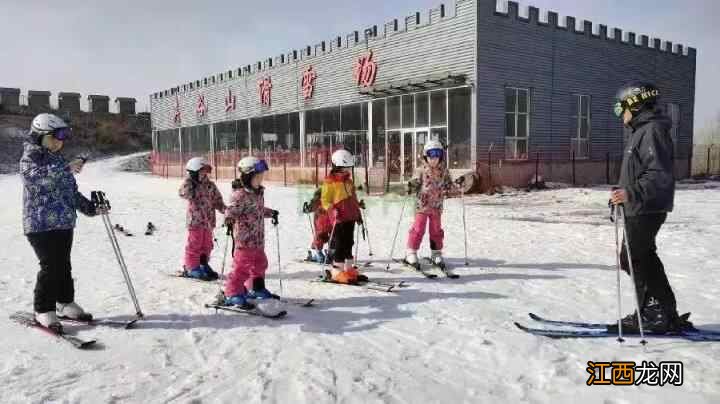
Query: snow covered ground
[[435, 342]]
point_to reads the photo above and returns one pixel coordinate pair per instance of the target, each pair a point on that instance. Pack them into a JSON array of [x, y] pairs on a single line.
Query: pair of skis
[[28, 319], [575, 329], [443, 268], [369, 284]]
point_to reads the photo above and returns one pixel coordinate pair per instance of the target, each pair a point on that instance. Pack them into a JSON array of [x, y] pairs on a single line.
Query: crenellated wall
[[558, 59]]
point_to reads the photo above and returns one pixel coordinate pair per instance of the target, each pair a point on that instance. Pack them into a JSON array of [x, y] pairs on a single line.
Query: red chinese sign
[[308, 83], [264, 90], [201, 106], [176, 117], [365, 70], [230, 101]]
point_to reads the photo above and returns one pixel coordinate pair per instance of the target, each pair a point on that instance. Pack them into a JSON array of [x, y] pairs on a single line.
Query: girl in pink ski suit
[[204, 199]]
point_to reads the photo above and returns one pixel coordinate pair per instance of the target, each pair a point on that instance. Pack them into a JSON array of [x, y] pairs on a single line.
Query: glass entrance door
[[394, 156]]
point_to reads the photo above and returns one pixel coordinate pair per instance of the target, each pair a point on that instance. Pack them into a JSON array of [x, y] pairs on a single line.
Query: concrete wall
[[69, 102], [99, 103], [39, 100], [126, 106], [9, 97]]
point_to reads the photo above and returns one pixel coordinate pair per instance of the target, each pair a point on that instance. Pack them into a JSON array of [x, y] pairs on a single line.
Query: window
[[517, 122], [460, 116], [438, 108], [581, 137], [408, 113], [422, 110], [393, 112]]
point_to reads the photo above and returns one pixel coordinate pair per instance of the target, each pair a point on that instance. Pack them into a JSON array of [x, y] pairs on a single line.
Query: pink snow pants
[[199, 243], [417, 231], [248, 264]]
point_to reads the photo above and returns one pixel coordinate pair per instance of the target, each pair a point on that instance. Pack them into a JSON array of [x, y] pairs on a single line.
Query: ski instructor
[[646, 192], [50, 199]]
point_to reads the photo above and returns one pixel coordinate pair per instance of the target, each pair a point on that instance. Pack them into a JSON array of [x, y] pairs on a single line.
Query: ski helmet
[[196, 164], [45, 124], [252, 165], [635, 97], [433, 148], [343, 158]]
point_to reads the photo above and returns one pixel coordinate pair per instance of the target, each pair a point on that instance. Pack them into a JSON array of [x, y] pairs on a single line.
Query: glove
[[274, 217], [306, 208], [460, 180], [237, 184], [362, 204]]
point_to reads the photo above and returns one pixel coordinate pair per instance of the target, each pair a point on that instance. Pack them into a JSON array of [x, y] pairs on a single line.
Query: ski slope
[[443, 341]]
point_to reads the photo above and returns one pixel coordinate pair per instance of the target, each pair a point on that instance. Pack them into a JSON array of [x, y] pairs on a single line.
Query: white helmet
[[251, 165], [343, 158], [46, 123], [432, 145], [197, 164]]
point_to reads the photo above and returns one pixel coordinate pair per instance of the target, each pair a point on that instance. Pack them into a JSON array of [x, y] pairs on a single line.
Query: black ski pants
[[54, 280], [342, 241], [650, 277]]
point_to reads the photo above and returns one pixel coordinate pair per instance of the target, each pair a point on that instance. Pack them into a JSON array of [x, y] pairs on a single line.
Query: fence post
[[285, 171], [607, 168], [707, 167], [317, 170], [489, 162], [327, 153], [367, 170], [573, 166], [537, 167]]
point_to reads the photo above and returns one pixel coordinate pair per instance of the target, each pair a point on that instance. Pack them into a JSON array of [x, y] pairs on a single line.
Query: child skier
[[339, 199], [431, 185], [322, 228], [246, 213], [204, 199], [50, 201]]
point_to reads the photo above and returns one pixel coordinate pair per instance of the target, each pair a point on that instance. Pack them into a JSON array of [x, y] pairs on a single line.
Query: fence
[[706, 160]]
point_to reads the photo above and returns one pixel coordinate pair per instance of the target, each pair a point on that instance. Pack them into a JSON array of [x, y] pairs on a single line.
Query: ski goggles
[[618, 109], [435, 153], [261, 166], [62, 133]]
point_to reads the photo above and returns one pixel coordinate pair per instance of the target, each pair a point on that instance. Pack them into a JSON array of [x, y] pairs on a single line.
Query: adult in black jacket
[[646, 192]]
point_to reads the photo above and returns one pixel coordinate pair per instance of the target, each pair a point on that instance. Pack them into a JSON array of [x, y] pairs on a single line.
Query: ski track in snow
[[443, 341]]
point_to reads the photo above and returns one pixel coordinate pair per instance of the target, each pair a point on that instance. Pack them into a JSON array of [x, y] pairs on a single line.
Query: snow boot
[[259, 291], [72, 311], [49, 320], [212, 275]]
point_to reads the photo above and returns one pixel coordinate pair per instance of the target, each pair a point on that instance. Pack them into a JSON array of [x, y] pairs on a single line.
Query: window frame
[[516, 114]]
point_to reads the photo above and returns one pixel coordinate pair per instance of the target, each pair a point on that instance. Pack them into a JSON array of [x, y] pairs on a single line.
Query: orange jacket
[[338, 197]]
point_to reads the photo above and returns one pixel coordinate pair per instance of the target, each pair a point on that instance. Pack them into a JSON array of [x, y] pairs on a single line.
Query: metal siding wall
[[443, 45], [524, 53]]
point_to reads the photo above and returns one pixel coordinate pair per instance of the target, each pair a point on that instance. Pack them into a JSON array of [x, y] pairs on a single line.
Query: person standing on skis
[[204, 199], [246, 213], [50, 201], [431, 185], [338, 198], [645, 193], [321, 230]]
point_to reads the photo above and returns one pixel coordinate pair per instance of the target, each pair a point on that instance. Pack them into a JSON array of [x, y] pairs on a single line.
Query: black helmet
[[635, 97]]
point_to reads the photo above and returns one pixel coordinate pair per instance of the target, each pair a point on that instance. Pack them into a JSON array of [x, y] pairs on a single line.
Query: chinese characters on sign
[[176, 117], [628, 374], [230, 101], [308, 83], [365, 70], [201, 107], [264, 90]]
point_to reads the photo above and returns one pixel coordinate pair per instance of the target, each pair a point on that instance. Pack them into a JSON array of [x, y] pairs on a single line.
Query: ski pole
[[617, 259], [632, 276], [277, 245], [221, 294], [366, 234], [397, 230], [462, 201], [357, 244], [98, 198], [330, 247]]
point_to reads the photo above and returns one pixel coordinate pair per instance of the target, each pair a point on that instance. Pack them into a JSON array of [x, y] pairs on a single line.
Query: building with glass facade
[[508, 91]]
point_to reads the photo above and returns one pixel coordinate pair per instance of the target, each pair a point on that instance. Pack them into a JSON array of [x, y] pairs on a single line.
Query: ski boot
[[72, 311], [411, 259], [316, 256], [212, 275], [200, 273], [50, 321], [347, 275], [259, 291], [437, 259], [240, 301]]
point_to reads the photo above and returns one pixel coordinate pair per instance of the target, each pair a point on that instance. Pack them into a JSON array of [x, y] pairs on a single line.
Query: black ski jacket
[[647, 167]]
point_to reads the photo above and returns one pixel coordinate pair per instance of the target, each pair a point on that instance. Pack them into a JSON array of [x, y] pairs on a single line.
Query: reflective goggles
[[435, 153], [62, 133], [261, 166], [618, 109]]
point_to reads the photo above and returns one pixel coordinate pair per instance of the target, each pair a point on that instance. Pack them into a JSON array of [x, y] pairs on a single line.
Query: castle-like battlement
[[511, 10]]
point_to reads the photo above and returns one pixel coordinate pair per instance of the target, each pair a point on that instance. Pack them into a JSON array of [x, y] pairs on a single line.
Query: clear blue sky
[[132, 47]]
